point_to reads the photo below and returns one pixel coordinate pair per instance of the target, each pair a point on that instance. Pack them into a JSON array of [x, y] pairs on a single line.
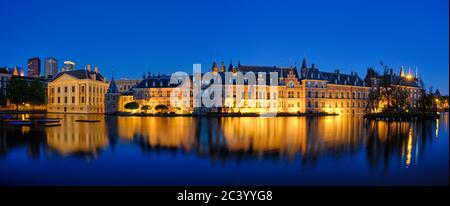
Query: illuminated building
[[68, 66], [34, 67], [304, 90], [77, 91], [50, 67], [125, 85], [408, 82]]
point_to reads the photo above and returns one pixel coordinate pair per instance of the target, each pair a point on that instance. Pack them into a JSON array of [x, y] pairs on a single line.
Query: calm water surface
[[333, 150]]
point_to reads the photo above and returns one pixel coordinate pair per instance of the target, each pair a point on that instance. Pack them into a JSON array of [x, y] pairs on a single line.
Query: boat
[[48, 120], [52, 125], [19, 122], [86, 120]]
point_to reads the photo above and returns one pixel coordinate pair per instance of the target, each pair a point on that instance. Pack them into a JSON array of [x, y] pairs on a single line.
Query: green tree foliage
[[161, 108], [36, 93], [131, 105], [146, 107], [17, 92], [400, 99]]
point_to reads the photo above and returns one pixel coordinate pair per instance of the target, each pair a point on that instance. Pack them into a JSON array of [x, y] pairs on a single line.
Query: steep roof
[[81, 74], [282, 71], [343, 79], [159, 81], [4, 70], [112, 87]]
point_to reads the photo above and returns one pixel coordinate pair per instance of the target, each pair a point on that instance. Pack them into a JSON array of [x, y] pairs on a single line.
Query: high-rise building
[[34, 67], [68, 66], [50, 67]]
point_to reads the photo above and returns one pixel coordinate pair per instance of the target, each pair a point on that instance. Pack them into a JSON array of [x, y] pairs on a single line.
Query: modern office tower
[[68, 66], [34, 67], [50, 67]]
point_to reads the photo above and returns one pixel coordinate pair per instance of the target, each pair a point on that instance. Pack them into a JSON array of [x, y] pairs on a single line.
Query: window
[[82, 100], [59, 89], [82, 88], [317, 94], [316, 104], [65, 100], [73, 100], [59, 100], [65, 89], [73, 88]]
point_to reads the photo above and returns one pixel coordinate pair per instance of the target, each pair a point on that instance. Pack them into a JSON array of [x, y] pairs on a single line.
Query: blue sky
[[133, 37]]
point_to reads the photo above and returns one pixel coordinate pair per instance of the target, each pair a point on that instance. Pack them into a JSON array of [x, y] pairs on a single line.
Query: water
[[332, 150]]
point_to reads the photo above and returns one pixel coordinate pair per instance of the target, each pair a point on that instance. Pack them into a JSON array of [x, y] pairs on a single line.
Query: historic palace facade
[[303, 90], [77, 91]]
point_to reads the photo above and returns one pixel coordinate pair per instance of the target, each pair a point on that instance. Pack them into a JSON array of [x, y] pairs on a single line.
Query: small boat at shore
[[52, 125], [47, 121], [18, 122], [87, 120]]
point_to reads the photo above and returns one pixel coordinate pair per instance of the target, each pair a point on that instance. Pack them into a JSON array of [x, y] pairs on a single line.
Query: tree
[[36, 92], [374, 98], [17, 91], [131, 105], [400, 99], [161, 107], [146, 107]]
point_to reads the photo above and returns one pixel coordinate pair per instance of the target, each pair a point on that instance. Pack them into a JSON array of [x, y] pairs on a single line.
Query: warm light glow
[[409, 76]]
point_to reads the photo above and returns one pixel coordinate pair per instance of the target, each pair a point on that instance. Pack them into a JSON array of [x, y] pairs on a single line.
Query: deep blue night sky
[[133, 37]]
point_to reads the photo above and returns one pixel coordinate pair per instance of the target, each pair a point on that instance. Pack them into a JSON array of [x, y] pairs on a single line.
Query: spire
[[304, 65], [112, 86], [231, 68], [222, 68], [214, 67], [416, 75], [402, 72]]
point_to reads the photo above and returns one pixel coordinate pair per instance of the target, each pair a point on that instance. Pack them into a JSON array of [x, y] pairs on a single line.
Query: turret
[[214, 67], [222, 67]]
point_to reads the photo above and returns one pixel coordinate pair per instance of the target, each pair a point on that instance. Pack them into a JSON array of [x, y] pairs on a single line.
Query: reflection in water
[[77, 138], [227, 138]]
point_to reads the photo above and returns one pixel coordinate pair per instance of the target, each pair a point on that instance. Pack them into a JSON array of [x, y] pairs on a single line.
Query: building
[[34, 67], [5, 76], [115, 100], [50, 67], [303, 90], [125, 85], [77, 91], [390, 80], [68, 66], [18, 71]]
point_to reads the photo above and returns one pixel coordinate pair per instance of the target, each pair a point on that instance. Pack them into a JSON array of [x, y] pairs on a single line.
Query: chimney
[[89, 67], [313, 66], [96, 69]]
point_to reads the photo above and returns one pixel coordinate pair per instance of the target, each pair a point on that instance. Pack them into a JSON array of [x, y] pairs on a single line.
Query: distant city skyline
[[134, 38]]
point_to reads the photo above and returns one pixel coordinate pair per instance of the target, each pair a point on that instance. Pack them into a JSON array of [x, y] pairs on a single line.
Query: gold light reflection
[[409, 148], [159, 131], [437, 128], [289, 136], [77, 137]]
